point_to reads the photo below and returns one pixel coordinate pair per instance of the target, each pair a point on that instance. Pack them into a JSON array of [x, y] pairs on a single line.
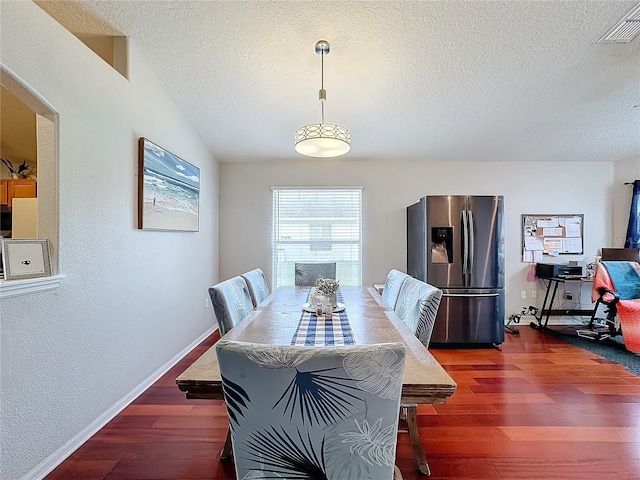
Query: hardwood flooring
[[537, 408]]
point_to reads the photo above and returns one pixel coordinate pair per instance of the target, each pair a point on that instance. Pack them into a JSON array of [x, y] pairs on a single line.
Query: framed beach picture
[[168, 190], [23, 258]]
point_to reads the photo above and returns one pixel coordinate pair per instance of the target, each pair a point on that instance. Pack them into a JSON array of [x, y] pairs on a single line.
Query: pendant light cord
[[323, 94]]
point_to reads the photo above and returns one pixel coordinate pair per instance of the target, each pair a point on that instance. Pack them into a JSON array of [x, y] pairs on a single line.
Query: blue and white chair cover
[[231, 302], [312, 412], [257, 284], [417, 306], [392, 286], [306, 274]]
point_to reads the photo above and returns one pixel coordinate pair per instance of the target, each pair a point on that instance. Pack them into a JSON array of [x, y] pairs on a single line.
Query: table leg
[[414, 437], [227, 450]]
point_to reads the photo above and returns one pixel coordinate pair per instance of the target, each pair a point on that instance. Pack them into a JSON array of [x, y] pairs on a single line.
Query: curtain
[[633, 231]]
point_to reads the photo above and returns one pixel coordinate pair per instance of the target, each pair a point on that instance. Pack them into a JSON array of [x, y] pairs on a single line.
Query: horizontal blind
[[317, 225]]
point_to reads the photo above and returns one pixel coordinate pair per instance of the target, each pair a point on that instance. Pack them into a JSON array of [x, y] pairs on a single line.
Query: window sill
[[15, 288]]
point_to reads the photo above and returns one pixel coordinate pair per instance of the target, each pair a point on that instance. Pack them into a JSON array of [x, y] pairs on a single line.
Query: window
[[317, 225]]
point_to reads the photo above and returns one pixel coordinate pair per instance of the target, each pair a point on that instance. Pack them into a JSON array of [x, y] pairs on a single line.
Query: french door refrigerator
[[456, 243]]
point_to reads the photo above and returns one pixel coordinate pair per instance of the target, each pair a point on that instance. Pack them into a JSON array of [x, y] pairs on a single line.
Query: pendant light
[[322, 139]]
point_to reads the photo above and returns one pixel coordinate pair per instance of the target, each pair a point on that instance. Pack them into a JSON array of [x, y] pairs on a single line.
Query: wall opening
[[37, 143]]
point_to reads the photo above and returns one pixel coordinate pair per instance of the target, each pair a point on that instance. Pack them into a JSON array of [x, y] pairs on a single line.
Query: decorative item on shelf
[[21, 171], [329, 288]]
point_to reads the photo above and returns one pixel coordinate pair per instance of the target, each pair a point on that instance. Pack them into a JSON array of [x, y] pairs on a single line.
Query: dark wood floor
[[536, 408]]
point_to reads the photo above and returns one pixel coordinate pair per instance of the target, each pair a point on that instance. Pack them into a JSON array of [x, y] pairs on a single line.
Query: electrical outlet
[[523, 294], [534, 294], [206, 302], [569, 295]]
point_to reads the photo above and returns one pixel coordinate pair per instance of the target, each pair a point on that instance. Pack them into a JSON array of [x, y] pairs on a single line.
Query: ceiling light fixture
[[322, 139]]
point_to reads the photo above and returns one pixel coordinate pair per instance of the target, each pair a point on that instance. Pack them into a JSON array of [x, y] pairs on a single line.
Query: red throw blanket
[[628, 310]]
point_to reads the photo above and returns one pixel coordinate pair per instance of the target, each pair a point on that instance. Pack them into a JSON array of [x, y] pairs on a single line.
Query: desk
[[275, 321], [550, 294]]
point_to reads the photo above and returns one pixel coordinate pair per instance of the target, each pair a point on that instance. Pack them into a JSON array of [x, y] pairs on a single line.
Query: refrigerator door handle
[[470, 237], [470, 295], [465, 244]]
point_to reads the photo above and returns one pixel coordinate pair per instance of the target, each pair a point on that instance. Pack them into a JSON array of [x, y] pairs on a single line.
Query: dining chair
[[231, 302], [306, 274], [257, 283], [313, 412], [392, 286], [417, 306]]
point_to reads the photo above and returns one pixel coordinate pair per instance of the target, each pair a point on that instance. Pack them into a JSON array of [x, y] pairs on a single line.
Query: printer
[[549, 270]]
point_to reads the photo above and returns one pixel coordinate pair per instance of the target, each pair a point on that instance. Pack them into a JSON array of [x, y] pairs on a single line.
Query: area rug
[[609, 350]]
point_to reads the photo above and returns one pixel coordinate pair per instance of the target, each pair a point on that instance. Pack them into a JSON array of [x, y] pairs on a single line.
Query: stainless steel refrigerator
[[456, 243]]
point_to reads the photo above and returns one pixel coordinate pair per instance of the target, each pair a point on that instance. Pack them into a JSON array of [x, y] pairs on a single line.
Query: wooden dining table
[[372, 321]]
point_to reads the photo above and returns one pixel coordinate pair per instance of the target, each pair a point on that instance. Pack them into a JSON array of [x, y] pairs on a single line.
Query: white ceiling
[[420, 80]]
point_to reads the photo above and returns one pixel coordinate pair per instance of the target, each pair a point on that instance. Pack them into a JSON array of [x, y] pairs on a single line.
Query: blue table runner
[[324, 330]]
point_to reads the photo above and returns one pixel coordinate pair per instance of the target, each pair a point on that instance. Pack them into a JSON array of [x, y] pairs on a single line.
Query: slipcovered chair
[[257, 284], [313, 412], [392, 286], [307, 273], [417, 306], [231, 302]]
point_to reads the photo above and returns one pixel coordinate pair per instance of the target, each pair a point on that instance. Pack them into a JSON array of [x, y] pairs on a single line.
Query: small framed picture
[[25, 258]]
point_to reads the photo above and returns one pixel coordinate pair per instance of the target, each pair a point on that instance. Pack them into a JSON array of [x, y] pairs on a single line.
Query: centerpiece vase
[[332, 298]]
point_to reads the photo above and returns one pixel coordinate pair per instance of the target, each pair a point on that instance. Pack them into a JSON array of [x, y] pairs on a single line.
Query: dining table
[[366, 319]]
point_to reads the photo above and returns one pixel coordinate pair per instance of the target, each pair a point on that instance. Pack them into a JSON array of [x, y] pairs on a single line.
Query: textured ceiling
[[479, 81]]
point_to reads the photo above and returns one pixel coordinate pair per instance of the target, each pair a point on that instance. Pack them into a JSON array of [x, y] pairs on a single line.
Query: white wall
[[131, 299], [625, 171], [245, 206]]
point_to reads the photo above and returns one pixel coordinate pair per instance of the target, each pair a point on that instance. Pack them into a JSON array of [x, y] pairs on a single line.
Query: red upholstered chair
[[617, 285]]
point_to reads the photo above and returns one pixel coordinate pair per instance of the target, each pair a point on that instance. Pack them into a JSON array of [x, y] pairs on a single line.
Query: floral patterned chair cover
[[392, 286], [306, 274], [257, 284], [417, 306], [312, 412], [231, 302]]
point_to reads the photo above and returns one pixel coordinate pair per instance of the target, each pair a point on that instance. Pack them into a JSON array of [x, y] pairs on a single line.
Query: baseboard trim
[[56, 458]]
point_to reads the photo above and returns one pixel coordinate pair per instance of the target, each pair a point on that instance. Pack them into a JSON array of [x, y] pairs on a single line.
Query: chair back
[[231, 302], [621, 254], [312, 412], [308, 273], [257, 283], [417, 306], [392, 285]]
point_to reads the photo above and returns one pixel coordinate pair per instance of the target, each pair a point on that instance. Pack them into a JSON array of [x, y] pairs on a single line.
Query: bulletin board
[[551, 235]]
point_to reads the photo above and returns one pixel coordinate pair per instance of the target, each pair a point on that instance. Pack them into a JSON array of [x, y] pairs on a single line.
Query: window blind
[[317, 225]]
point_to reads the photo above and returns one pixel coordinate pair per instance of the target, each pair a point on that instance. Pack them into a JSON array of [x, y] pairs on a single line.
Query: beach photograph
[[169, 190]]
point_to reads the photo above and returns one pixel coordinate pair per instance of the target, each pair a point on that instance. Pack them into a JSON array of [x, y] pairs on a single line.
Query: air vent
[[625, 30]]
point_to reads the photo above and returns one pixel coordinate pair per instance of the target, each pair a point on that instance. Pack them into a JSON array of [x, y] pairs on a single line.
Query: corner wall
[[132, 299], [388, 187], [625, 171]]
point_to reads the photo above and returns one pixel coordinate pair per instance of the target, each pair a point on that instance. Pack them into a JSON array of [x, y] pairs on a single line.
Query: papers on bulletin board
[[533, 243], [571, 245], [530, 256], [552, 232], [572, 230], [553, 246], [547, 223]]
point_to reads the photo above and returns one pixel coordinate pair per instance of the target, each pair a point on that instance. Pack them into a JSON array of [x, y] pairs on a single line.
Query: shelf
[[15, 288]]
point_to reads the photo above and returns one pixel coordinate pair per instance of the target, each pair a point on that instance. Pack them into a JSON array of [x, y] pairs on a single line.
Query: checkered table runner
[[324, 330]]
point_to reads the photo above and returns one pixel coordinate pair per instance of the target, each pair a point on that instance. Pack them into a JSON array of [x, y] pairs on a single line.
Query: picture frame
[[25, 258], [168, 190]]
